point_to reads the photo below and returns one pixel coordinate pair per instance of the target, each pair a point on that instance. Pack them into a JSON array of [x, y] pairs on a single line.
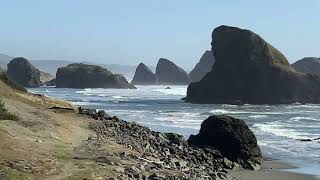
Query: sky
[[130, 32]]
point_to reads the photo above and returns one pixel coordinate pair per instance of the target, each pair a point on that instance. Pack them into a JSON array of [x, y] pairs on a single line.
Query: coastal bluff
[[79, 75], [249, 70]]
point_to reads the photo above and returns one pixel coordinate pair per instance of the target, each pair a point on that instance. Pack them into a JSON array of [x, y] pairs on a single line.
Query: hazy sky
[[133, 31]]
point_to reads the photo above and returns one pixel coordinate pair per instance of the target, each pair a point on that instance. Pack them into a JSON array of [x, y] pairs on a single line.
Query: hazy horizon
[[129, 32]]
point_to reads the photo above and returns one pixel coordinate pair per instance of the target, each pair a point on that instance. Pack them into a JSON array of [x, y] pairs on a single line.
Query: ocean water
[[278, 128]]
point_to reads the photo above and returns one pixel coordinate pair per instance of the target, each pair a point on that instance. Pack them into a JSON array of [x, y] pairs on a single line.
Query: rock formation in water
[[310, 65], [231, 137], [248, 70], [45, 77], [143, 76], [80, 75], [202, 67], [169, 73], [23, 72]]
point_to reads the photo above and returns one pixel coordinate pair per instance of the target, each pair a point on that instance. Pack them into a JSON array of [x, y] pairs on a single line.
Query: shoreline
[[272, 169]]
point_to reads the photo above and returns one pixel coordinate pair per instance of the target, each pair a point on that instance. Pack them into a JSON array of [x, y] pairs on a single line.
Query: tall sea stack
[[202, 67], [143, 76], [169, 73], [247, 69]]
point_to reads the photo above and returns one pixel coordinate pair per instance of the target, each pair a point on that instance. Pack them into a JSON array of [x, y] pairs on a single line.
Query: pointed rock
[[202, 67], [169, 73], [143, 76]]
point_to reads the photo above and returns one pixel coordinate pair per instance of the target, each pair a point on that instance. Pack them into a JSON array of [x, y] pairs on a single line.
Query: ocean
[[279, 129]]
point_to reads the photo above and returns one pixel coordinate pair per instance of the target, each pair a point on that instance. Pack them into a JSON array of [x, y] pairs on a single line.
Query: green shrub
[[4, 77], [5, 115]]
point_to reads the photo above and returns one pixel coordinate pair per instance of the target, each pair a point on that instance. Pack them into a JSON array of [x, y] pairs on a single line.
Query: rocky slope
[[23, 72], [80, 75], [143, 76], [308, 65], [169, 73], [202, 67], [250, 70]]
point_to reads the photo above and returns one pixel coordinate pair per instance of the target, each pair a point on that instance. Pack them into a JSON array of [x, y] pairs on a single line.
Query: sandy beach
[[270, 170]]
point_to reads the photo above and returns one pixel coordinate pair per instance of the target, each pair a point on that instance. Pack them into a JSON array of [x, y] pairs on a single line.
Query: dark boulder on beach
[[143, 76], [202, 67], [231, 137], [309, 65], [248, 70], [23, 72], [80, 75], [169, 73]]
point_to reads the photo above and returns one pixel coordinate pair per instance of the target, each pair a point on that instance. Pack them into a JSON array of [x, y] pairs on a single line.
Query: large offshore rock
[[143, 76], [202, 67], [169, 73], [23, 72], [231, 137], [247, 69], [80, 75], [45, 78], [309, 65]]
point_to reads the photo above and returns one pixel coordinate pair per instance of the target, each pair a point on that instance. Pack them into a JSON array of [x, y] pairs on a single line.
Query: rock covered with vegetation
[[23, 72], [202, 67], [310, 65], [248, 70], [143, 76], [169, 73], [80, 75]]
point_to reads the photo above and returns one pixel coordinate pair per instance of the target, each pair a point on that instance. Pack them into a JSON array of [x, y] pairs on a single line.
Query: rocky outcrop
[[45, 77], [202, 67], [169, 73], [156, 153], [143, 76], [52, 82], [248, 70], [80, 75], [308, 65], [231, 137], [23, 72]]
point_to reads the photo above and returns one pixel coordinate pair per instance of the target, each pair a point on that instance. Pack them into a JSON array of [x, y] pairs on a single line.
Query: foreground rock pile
[[159, 155]]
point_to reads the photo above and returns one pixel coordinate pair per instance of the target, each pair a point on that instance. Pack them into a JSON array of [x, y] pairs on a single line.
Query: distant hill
[[309, 65]]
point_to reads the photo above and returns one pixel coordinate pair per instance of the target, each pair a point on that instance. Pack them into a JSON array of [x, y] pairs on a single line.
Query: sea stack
[[309, 65], [80, 75], [170, 74], [143, 76], [202, 67], [248, 70], [23, 72]]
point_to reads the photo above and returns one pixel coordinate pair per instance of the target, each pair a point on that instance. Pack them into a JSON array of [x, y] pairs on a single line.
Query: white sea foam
[[258, 116], [180, 91], [282, 131], [303, 118]]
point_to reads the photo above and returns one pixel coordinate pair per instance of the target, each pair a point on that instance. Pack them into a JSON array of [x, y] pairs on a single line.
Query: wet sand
[[270, 170]]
